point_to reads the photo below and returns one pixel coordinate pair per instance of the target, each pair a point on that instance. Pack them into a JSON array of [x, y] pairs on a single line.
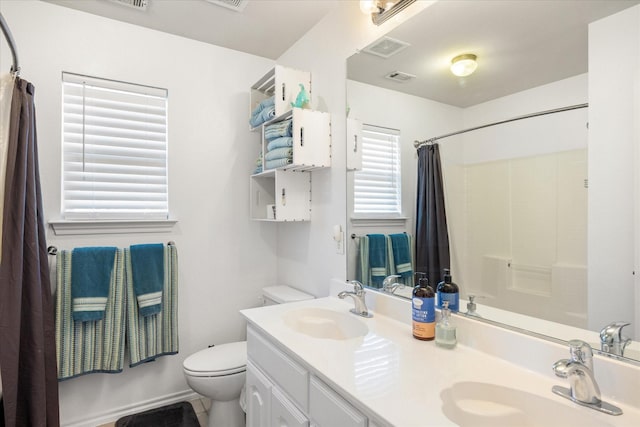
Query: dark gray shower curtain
[[432, 237], [27, 334]]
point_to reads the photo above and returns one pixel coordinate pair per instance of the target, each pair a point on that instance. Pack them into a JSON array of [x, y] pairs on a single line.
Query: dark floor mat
[[177, 415]]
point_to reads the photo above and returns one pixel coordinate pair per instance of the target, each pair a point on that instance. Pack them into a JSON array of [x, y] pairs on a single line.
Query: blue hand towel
[[263, 116], [90, 277], [283, 141], [259, 116], [279, 153], [277, 163], [377, 258], [401, 254], [277, 130], [147, 270]]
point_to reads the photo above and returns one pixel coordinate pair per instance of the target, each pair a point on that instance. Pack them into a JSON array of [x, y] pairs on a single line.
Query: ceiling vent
[[400, 77], [237, 5], [385, 47], [135, 4]]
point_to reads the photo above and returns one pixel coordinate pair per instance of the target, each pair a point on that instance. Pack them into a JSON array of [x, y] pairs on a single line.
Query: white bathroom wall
[[614, 191], [225, 259], [307, 256]]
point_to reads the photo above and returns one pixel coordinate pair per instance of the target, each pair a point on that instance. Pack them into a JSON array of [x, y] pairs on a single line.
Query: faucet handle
[[581, 352], [611, 338], [389, 280], [357, 287], [612, 332]]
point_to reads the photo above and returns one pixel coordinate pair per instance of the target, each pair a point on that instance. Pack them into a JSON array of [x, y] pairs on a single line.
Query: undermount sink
[[323, 323], [482, 404]]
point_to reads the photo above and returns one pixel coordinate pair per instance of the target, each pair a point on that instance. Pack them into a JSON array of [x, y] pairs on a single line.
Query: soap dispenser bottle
[[471, 306], [423, 310], [445, 329], [448, 291]]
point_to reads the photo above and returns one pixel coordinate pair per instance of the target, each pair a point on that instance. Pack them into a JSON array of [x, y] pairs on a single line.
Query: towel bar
[[53, 250]]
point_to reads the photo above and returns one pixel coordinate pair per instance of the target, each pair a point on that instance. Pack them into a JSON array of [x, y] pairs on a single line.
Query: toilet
[[218, 372]]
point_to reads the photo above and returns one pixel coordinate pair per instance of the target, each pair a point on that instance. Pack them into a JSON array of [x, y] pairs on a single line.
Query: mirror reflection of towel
[[377, 258], [402, 254], [147, 270]]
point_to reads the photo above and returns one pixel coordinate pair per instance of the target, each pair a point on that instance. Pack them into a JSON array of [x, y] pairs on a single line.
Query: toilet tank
[[282, 294]]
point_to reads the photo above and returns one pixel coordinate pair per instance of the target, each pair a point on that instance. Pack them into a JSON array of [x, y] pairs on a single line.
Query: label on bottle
[[424, 318], [454, 300]]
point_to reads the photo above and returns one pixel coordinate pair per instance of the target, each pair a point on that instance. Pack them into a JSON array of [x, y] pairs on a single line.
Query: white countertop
[[402, 380]]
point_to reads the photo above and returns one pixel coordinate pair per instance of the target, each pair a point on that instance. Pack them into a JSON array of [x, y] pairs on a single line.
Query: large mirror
[[517, 193]]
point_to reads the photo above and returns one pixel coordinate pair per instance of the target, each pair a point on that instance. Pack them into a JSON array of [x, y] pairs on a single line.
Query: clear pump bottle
[[445, 329]]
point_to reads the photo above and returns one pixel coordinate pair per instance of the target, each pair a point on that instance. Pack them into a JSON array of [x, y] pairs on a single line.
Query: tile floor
[[200, 406]]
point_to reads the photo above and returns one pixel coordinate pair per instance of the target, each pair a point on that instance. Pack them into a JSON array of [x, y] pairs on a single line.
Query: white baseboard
[[114, 414]]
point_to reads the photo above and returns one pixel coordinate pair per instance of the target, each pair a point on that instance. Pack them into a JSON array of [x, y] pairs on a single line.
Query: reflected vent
[[386, 47], [135, 4], [237, 5], [399, 76]]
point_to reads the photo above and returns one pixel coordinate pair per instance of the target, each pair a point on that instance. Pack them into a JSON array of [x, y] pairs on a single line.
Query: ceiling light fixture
[[464, 65], [383, 10]]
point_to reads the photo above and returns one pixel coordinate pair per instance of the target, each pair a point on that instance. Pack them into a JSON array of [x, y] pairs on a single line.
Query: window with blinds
[[114, 144], [377, 184]]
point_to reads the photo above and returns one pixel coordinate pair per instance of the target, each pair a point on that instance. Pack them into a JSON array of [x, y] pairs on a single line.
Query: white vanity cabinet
[[287, 393]]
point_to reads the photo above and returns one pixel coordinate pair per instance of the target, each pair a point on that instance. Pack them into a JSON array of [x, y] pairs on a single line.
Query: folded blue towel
[[263, 116], [147, 270], [258, 115], [277, 130], [277, 163], [90, 277], [279, 153], [283, 141], [402, 254], [377, 258]]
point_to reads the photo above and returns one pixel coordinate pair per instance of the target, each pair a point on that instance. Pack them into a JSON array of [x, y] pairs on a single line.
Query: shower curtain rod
[[418, 144], [12, 44]]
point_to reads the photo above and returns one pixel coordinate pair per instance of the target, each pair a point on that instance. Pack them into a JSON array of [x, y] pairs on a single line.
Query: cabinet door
[[284, 413], [258, 394], [328, 409], [354, 144], [311, 132]]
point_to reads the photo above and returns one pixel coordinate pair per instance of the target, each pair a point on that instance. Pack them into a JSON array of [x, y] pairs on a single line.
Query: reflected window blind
[[377, 184], [114, 143]]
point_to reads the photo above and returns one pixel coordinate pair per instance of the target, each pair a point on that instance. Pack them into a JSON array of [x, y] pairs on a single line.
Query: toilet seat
[[216, 361]]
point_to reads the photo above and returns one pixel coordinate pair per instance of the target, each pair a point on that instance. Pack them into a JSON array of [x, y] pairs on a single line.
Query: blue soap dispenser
[[448, 291], [445, 329]]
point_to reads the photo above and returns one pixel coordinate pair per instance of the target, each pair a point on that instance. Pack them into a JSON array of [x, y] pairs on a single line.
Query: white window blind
[[114, 144], [377, 184]]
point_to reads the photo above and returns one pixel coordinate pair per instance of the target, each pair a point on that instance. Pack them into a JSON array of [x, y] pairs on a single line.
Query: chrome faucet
[[358, 298], [583, 389], [611, 339], [390, 285]]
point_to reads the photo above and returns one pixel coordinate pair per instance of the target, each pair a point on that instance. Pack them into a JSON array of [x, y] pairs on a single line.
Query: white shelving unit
[[284, 193], [281, 195], [283, 84]]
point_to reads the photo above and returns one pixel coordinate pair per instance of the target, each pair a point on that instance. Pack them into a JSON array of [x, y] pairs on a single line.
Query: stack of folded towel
[[279, 150], [264, 112]]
